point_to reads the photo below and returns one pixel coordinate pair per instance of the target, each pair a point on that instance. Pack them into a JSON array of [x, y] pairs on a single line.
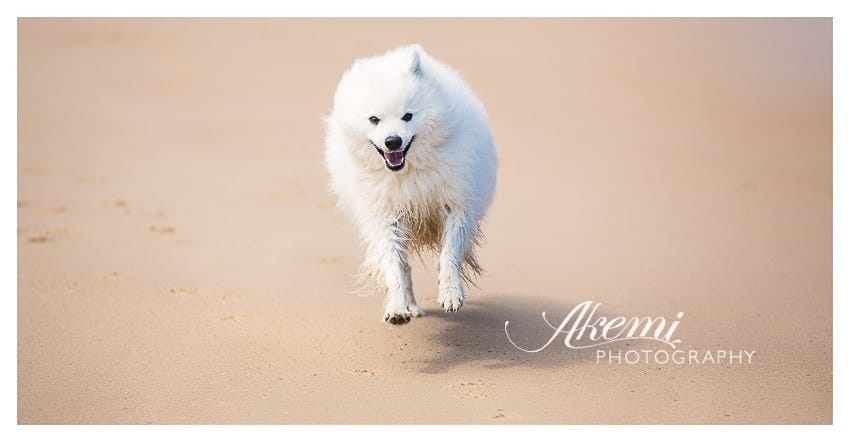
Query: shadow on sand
[[476, 335]]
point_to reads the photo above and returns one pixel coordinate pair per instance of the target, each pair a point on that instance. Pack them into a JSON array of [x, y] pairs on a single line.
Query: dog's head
[[387, 107]]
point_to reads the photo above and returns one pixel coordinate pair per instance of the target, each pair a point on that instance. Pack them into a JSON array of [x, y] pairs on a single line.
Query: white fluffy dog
[[412, 161]]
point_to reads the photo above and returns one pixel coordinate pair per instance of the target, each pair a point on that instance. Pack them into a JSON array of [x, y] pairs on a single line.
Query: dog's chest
[[419, 201], [424, 226]]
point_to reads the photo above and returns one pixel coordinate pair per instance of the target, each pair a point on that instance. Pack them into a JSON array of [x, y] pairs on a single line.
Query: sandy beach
[[181, 260]]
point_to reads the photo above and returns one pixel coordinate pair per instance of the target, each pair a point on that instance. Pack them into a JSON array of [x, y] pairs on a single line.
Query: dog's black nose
[[393, 142]]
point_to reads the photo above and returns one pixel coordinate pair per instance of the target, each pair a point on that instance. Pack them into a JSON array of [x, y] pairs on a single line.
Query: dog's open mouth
[[394, 159]]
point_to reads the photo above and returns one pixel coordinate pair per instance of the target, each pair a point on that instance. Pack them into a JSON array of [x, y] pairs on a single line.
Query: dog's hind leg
[[390, 252], [457, 236]]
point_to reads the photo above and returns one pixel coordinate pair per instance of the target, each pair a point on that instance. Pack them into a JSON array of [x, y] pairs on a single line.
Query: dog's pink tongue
[[394, 158]]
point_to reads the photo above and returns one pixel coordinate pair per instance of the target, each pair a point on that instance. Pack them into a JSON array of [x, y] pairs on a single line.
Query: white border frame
[[429, 8]]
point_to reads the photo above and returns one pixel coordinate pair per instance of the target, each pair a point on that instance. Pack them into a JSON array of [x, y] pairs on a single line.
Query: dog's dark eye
[[374, 120], [407, 117]]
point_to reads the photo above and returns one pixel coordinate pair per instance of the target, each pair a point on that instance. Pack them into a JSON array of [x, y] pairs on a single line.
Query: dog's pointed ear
[[416, 63]]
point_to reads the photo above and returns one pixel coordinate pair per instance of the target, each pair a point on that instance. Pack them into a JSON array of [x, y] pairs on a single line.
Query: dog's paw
[[397, 318], [451, 298], [415, 311]]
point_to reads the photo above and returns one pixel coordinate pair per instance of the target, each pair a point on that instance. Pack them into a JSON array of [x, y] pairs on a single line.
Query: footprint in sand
[[183, 291], [471, 390], [47, 235], [147, 213], [51, 209], [120, 204], [162, 229], [231, 297], [190, 291], [114, 276], [123, 204], [235, 317]]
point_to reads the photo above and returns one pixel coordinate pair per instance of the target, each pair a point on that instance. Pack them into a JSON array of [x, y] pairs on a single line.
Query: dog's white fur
[[438, 199]]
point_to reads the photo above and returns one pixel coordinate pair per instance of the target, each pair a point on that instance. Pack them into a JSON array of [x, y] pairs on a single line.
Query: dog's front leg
[[392, 258], [456, 236]]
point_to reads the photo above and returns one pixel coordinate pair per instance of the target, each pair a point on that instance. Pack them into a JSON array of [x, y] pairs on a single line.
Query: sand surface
[[180, 259]]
